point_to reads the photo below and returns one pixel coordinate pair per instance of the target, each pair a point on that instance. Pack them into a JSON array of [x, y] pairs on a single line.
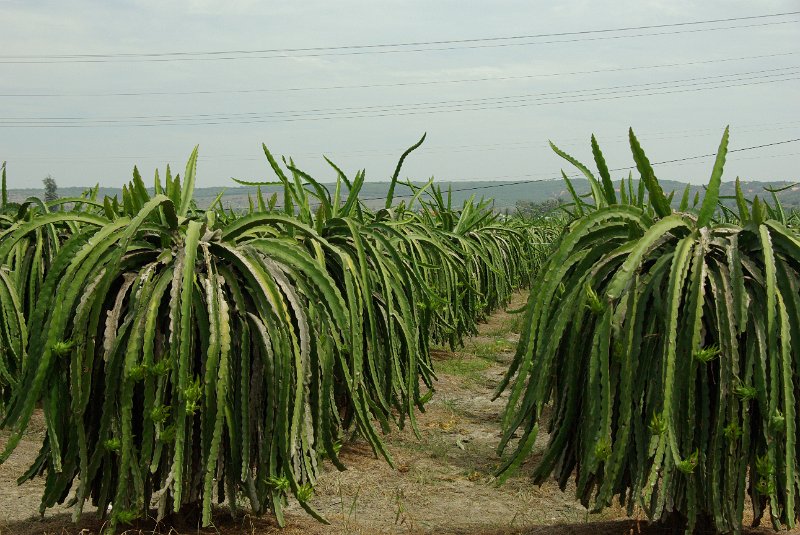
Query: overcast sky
[[495, 103]]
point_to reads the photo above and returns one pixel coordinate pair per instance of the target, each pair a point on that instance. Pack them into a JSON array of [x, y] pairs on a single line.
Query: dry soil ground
[[442, 484]]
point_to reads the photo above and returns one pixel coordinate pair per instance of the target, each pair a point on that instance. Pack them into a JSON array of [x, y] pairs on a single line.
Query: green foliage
[[3, 187], [531, 210], [13, 335], [50, 189], [396, 174], [185, 356], [666, 343]]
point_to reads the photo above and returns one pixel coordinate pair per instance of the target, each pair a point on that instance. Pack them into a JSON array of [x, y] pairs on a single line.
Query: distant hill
[[505, 194]]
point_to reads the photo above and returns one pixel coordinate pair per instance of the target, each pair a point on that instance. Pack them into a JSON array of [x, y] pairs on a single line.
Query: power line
[[390, 48], [780, 71], [229, 121], [771, 156], [438, 149], [746, 75], [566, 97], [388, 85], [703, 80], [416, 43]]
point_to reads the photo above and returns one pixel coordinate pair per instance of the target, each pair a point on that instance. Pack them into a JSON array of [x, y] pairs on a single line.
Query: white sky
[[497, 143]]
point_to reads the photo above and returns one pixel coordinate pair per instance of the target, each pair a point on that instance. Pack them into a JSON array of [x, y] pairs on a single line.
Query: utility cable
[[390, 48]]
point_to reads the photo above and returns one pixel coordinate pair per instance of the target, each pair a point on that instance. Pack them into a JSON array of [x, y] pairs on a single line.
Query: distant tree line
[[536, 209]]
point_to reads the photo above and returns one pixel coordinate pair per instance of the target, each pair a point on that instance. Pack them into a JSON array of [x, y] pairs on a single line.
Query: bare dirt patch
[[18, 502]]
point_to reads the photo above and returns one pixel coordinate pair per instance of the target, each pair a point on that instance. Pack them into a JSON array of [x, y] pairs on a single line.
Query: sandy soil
[[442, 482]]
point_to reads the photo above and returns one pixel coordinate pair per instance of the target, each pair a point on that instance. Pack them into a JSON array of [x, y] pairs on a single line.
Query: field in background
[[505, 194]]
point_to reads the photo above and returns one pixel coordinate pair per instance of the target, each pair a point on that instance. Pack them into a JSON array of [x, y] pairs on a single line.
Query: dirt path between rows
[[442, 483]]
